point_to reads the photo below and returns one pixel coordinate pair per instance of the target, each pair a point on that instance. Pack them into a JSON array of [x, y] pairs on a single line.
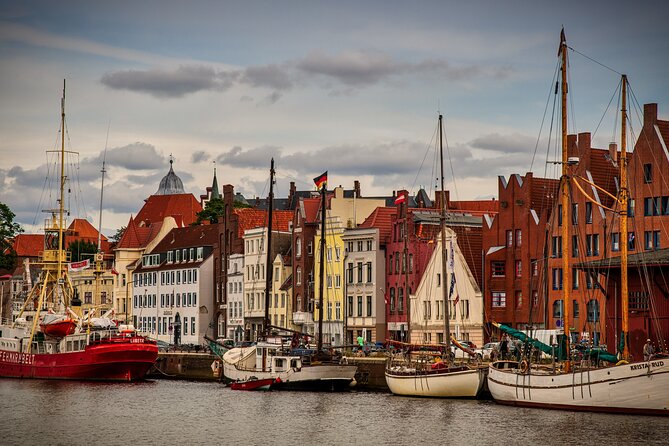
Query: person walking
[[503, 347]]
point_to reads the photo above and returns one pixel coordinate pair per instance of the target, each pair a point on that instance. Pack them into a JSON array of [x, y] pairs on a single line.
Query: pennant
[[457, 299], [79, 266], [321, 180], [450, 291], [114, 272], [401, 199], [452, 260]]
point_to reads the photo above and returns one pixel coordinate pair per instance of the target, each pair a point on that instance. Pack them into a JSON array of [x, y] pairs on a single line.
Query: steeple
[[214, 186], [171, 184]]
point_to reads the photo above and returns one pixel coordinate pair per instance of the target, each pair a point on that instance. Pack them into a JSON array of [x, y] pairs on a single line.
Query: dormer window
[[192, 254], [200, 254], [169, 256], [185, 255], [177, 256]]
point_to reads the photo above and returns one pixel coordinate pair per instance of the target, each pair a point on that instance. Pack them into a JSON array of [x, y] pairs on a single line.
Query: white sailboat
[[272, 358], [424, 376], [626, 387]]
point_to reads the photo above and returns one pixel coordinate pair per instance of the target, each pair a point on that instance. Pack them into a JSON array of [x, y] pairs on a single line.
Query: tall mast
[[444, 255], [624, 193], [405, 205], [268, 248], [319, 341], [564, 183], [61, 200]]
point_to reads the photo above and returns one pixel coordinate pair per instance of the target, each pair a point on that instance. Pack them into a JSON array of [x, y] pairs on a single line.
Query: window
[[535, 298], [400, 299], [575, 309], [497, 271], [337, 312], [337, 253], [328, 281], [192, 325], [615, 241], [631, 241], [557, 278], [369, 272], [535, 267], [349, 311], [359, 272], [589, 280], [574, 279], [177, 256], [185, 325], [349, 273], [656, 239], [169, 256], [498, 299], [328, 254], [337, 281], [519, 299], [392, 299], [88, 297], [648, 205], [509, 238], [426, 310], [298, 247], [519, 268], [191, 254], [647, 173], [574, 245], [559, 215], [360, 306], [557, 309], [557, 246], [665, 205], [369, 306], [369, 245], [574, 214], [464, 308], [200, 253], [359, 245], [651, 240], [103, 297], [329, 311], [519, 237], [410, 263], [593, 310], [588, 212], [298, 276]]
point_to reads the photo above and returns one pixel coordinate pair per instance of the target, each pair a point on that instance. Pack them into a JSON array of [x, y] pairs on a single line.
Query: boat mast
[[624, 195], [566, 282], [319, 339], [61, 200], [444, 255], [406, 266], [268, 248]]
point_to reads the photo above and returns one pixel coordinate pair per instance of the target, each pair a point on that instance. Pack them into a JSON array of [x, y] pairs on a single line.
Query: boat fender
[[622, 362], [524, 366]]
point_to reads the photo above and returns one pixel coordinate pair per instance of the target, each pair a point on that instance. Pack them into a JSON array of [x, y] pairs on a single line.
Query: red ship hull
[[253, 384], [116, 359]]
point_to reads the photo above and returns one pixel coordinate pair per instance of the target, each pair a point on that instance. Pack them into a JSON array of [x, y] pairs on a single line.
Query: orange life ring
[[524, 366]]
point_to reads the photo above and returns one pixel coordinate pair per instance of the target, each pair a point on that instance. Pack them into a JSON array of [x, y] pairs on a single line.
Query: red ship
[[52, 337]]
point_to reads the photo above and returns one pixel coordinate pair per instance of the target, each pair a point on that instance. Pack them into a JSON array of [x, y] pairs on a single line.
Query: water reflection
[[171, 412]]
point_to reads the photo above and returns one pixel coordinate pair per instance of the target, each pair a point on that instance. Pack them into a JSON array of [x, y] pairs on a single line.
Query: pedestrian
[[503, 347], [519, 348], [648, 350]]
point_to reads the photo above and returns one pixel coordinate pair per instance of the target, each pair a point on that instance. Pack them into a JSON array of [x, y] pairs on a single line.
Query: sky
[[352, 88]]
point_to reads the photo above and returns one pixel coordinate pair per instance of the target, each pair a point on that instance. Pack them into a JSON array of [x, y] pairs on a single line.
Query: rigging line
[[550, 133], [543, 118], [595, 61], [450, 162], [420, 168], [617, 90]]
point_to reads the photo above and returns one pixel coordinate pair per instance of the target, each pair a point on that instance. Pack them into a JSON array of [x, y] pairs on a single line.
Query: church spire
[[171, 184], [214, 185]]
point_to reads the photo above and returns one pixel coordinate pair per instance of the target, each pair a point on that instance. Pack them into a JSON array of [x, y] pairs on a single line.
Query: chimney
[[356, 188], [439, 195], [291, 195], [572, 149], [649, 114], [228, 195], [584, 141], [613, 151]]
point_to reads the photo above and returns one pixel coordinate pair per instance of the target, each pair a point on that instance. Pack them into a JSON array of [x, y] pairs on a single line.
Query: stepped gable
[[543, 192], [182, 207], [28, 245], [381, 218], [604, 174], [311, 207]]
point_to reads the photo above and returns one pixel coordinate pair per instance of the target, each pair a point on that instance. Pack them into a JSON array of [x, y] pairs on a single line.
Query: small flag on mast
[[400, 199], [322, 179]]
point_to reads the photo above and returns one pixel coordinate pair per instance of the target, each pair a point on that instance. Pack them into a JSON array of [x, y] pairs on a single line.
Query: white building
[[465, 302], [173, 286], [235, 322]]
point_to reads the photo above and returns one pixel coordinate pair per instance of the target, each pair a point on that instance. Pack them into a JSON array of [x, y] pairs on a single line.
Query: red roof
[[311, 207], [136, 236], [380, 218], [183, 207], [250, 218], [28, 245], [82, 229]]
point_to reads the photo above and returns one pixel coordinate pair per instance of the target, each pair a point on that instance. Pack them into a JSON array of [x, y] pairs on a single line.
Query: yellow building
[[333, 291], [280, 307]]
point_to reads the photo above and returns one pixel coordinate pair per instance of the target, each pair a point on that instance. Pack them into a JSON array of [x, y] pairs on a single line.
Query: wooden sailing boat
[[271, 358], [47, 345], [442, 378], [626, 387]]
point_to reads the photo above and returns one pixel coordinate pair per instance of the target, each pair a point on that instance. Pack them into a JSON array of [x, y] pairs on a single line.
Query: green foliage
[[8, 230], [119, 233], [82, 250], [212, 211]]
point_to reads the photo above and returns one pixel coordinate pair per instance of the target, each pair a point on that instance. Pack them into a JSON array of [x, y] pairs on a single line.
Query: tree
[[82, 250], [212, 211], [8, 230], [119, 234]]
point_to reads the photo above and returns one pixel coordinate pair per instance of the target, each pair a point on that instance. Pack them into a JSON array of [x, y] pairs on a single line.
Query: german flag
[[321, 180]]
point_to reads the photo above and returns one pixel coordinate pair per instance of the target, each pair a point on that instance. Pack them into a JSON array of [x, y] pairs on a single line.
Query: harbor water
[[162, 412]]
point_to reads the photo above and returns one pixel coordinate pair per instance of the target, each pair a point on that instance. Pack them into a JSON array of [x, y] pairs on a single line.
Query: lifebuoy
[[524, 366]]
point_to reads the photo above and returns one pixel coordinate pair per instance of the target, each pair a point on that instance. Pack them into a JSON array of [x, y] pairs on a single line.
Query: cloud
[[199, 157], [175, 83], [270, 76]]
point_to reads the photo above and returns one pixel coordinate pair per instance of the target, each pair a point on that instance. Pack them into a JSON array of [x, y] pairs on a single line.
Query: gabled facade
[[235, 304], [513, 242], [280, 310]]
